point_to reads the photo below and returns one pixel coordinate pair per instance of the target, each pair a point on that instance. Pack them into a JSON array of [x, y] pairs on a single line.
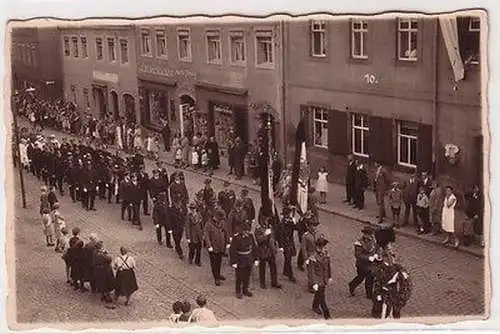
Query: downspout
[[284, 46], [435, 100]]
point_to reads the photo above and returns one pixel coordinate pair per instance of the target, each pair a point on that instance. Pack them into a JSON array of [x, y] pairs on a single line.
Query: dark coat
[[243, 250], [161, 214], [194, 227], [284, 236], [319, 269], [213, 154], [103, 273], [266, 244], [216, 236]]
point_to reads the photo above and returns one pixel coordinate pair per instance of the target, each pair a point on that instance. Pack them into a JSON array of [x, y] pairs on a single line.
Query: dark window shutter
[[424, 148], [380, 145], [338, 135]]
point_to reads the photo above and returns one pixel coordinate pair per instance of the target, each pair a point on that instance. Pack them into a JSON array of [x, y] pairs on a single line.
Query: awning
[[221, 89]]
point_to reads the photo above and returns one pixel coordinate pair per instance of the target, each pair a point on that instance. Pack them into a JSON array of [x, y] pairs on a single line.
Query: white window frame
[[238, 34], [184, 33], [409, 31], [163, 35], [322, 121], [213, 33], [85, 46], [409, 139], [124, 41], [66, 46], [109, 49], [86, 98], [364, 129], [322, 31], [362, 31], [101, 39], [264, 34], [146, 36]]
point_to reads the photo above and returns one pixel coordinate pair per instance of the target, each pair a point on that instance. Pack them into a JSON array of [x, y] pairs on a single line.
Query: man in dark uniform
[[163, 172], [161, 219], [364, 249], [223, 197], [114, 183], [247, 205], [178, 220], [157, 185], [284, 231], [308, 242], [135, 199], [360, 184], [103, 175], [125, 196], [60, 171], [243, 258], [266, 252], [319, 274], [349, 180], [208, 192], [88, 182], [143, 179]]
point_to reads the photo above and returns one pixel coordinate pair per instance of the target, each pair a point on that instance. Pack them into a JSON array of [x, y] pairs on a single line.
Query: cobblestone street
[[446, 282]]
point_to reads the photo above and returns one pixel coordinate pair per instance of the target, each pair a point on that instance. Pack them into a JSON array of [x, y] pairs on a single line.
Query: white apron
[[448, 214]]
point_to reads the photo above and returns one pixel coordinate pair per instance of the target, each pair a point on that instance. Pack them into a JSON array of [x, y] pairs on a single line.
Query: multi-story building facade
[[211, 77], [384, 90], [99, 70], [36, 60]]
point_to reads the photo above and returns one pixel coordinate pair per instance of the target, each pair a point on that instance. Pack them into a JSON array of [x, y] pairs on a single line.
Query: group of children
[[199, 158], [182, 312]]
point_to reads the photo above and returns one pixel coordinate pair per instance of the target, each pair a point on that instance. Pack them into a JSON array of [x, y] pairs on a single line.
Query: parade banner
[[449, 31], [303, 181], [299, 191], [265, 163]]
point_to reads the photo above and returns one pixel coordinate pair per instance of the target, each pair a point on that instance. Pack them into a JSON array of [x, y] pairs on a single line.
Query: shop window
[[74, 46], [320, 132], [124, 51], [83, 40], [318, 38], [213, 47], [407, 144], [469, 29], [161, 44], [265, 49], [66, 46], [98, 48], [407, 39], [360, 132], [359, 36], [145, 43], [237, 45], [184, 44], [86, 100], [111, 50]]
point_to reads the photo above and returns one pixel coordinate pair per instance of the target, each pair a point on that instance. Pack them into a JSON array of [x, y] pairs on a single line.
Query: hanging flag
[[265, 164], [449, 31], [300, 177]]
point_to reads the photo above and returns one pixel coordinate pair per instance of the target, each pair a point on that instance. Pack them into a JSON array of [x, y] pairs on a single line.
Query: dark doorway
[[130, 109], [116, 109], [241, 124], [99, 94], [186, 109]]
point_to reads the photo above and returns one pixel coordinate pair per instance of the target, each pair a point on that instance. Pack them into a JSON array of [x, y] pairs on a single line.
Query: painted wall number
[[370, 79]]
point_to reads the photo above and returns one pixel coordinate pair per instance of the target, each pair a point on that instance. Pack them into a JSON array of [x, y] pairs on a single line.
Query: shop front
[[157, 104]]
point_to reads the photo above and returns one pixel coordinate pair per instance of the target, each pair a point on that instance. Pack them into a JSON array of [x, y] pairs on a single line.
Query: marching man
[[242, 258], [266, 252], [320, 275]]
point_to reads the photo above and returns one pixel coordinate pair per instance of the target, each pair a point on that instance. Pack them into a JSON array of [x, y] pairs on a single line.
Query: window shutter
[[338, 136], [463, 34], [380, 144], [424, 148]]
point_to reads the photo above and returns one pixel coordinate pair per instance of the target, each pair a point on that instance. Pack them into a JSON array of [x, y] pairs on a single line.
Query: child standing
[[395, 199], [177, 312], [62, 247], [195, 158], [48, 227], [322, 184], [44, 200], [58, 222]]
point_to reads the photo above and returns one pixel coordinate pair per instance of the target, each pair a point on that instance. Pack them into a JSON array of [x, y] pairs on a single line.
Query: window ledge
[[149, 55], [265, 66], [360, 155], [185, 60], [238, 63], [214, 62]]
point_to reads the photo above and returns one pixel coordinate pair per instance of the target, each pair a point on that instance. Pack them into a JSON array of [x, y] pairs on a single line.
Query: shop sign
[[165, 72], [103, 76], [222, 109]]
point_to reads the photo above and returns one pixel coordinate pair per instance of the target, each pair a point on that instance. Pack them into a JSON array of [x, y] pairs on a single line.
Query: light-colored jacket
[[203, 315]]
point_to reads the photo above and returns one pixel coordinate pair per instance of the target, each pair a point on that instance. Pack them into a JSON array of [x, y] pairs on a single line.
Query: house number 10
[[370, 79]]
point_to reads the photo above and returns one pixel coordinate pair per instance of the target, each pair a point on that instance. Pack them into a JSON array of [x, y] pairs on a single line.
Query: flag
[[265, 164], [449, 30], [300, 177]]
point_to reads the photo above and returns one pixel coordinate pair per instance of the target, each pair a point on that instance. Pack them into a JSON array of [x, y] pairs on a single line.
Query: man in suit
[[410, 190], [381, 185], [165, 132], [143, 179], [349, 180]]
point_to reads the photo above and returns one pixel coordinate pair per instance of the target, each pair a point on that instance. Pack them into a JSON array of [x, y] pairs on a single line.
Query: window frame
[[409, 138], [409, 32], [472, 30], [163, 33], [323, 31], [322, 121], [66, 46], [237, 33], [264, 33], [121, 42], [85, 46], [108, 48], [364, 130], [362, 32], [86, 98], [75, 47], [184, 32], [213, 33], [101, 39], [146, 32]]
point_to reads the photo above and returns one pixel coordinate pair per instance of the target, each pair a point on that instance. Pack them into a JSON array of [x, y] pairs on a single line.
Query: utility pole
[[13, 107]]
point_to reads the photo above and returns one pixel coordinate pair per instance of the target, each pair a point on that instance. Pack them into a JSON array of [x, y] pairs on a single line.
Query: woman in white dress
[[448, 217], [118, 138], [23, 153]]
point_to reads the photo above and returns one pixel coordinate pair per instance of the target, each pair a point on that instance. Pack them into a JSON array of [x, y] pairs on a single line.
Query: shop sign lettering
[[165, 72], [222, 109]]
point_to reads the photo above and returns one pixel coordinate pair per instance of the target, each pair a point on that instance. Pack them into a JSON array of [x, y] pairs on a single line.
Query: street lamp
[[16, 134]]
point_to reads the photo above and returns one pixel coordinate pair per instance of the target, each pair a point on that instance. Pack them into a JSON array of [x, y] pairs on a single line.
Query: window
[[265, 52], [320, 127], [469, 30], [86, 101], [66, 46], [73, 94], [85, 53], [318, 38], [184, 40], [407, 144], [34, 60], [74, 46], [407, 39], [124, 51], [145, 43], [359, 32], [98, 48], [360, 132], [213, 46], [237, 47], [161, 44], [111, 50]]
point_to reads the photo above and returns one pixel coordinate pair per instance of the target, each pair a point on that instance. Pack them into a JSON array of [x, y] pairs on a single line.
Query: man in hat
[[157, 185], [163, 172], [364, 251], [266, 252], [319, 274], [360, 185], [143, 179], [247, 205], [349, 179], [178, 221], [285, 230], [135, 198], [410, 191], [161, 219], [88, 183], [208, 192], [124, 194], [194, 234], [308, 241], [224, 198], [243, 258], [216, 240]]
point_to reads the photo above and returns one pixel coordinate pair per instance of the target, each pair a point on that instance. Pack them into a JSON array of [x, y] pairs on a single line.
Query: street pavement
[[446, 282]]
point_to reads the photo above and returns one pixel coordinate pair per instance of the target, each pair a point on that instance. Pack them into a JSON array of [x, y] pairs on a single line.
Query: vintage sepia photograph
[[211, 170]]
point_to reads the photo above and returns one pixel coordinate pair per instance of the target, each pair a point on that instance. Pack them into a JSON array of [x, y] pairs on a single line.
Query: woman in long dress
[[103, 273], [125, 282], [448, 217]]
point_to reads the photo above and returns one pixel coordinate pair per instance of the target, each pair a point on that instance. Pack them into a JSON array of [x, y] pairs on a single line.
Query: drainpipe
[[283, 91], [435, 99]]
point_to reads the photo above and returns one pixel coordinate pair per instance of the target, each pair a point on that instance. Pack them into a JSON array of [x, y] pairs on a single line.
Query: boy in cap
[[364, 249], [320, 275]]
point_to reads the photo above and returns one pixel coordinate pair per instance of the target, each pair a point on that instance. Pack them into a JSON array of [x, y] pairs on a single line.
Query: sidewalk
[[334, 204]]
